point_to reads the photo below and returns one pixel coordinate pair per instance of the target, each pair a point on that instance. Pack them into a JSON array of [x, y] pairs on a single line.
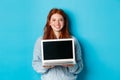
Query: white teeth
[[57, 26]]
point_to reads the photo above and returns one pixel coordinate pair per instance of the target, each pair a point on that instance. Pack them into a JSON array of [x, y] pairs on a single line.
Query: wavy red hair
[[48, 32]]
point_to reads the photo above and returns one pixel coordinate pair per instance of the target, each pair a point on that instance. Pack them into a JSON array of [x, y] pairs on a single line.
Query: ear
[[50, 23]]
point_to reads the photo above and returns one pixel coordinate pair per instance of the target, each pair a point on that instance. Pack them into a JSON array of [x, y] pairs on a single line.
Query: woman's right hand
[[51, 66]]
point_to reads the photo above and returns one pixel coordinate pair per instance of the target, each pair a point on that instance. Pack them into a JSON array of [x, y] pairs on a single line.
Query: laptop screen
[[57, 49]]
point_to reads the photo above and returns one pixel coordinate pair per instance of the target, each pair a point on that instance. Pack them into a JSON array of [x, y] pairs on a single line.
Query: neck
[[57, 34]]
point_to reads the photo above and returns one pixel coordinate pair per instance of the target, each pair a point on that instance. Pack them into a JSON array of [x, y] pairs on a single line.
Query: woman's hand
[[51, 66], [67, 65]]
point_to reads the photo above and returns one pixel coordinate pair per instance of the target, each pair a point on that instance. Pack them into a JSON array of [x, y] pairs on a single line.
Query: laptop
[[58, 51]]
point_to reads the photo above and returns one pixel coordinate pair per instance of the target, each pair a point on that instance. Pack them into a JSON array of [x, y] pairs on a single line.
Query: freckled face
[[57, 22]]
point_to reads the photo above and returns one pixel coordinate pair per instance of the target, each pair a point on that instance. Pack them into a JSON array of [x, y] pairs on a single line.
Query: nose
[[57, 22]]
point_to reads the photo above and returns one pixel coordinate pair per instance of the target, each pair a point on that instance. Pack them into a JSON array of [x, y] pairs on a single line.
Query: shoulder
[[38, 41], [75, 39]]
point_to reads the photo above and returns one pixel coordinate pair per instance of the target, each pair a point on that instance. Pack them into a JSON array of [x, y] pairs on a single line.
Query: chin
[[58, 30]]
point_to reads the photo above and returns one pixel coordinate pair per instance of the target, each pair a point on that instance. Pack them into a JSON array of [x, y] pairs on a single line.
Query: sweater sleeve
[[77, 68], [36, 62]]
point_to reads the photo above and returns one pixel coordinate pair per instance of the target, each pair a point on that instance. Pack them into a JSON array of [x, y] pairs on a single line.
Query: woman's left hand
[[67, 65]]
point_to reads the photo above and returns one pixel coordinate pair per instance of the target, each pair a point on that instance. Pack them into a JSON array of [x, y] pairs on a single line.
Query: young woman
[[56, 28]]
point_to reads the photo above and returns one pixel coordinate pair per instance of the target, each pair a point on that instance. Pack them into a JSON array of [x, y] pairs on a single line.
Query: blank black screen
[[57, 50]]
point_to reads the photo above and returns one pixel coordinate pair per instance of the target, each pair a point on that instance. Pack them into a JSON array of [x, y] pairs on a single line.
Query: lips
[[57, 27]]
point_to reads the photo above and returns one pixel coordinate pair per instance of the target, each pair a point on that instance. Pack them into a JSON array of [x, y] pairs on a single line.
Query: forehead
[[56, 15]]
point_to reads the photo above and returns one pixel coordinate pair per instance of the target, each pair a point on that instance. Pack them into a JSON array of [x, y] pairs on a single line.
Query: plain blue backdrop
[[96, 24]]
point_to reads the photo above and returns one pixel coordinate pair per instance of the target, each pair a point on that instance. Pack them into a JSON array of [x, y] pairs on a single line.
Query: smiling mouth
[[57, 27]]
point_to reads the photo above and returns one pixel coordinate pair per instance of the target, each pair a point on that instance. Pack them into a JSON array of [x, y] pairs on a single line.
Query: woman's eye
[[53, 20], [61, 19]]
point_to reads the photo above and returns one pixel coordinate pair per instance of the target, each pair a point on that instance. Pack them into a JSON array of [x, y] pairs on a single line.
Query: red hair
[[48, 32]]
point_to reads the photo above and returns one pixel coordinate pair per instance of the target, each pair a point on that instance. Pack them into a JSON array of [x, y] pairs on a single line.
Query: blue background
[[96, 24]]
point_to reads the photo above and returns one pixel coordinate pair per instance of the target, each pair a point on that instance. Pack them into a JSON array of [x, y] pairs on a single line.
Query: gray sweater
[[57, 72]]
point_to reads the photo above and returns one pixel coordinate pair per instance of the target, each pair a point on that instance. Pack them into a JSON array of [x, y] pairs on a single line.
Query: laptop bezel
[[58, 61]]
